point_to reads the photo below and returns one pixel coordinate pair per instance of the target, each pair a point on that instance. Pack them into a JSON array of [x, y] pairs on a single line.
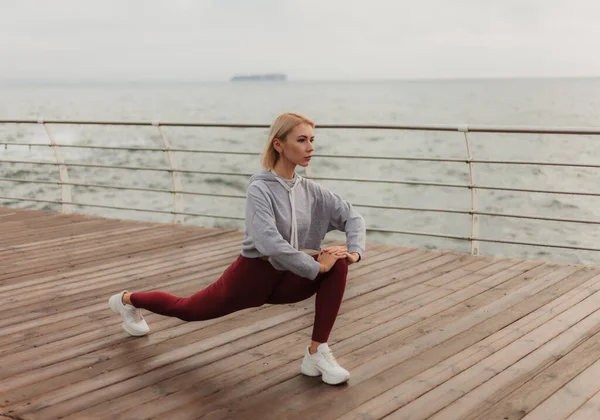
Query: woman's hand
[[334, 249], [327, 259], [352, 257]]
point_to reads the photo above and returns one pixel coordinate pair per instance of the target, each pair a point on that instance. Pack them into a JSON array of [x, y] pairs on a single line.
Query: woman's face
[[298, 145]]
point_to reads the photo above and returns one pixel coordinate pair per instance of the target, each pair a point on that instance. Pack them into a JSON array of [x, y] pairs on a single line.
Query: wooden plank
[[140, 243], [570, 397], [72, 240], [546, 305], [55, 244], [588, 411], [123, 261], [523, 399], [112, 254], [433, 400], [95, 283], [173, 258], [210, 269], [523, 359]]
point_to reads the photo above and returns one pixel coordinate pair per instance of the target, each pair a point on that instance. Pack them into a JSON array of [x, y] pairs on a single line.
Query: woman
[[284, 214]]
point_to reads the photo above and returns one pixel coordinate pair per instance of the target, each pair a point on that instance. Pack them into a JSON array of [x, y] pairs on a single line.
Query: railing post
[[65, 196], [475, 245], [176, 179]]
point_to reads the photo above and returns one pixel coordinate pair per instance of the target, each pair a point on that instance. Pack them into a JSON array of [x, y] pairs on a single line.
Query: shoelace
[[328, 355], [137, 315]]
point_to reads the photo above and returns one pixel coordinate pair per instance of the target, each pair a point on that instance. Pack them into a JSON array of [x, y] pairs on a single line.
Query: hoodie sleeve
[[343, 217], [269, 242]]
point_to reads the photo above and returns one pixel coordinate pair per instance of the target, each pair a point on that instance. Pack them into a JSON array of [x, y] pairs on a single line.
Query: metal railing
[[178, 193]]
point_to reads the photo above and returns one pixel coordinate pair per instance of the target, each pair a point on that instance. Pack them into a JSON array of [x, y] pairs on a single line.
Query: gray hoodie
[[284, 216]]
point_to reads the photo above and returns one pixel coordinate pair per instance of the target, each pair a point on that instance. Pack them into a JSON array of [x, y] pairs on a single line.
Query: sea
[[499, 102]]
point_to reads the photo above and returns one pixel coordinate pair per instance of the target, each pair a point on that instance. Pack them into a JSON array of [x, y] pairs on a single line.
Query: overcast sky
[[307, 39]]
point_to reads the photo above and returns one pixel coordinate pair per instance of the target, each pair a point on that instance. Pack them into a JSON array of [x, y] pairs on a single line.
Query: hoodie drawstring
[[290, 190]]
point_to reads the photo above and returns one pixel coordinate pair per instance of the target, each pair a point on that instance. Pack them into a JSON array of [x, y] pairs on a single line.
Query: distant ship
[[273, 77]]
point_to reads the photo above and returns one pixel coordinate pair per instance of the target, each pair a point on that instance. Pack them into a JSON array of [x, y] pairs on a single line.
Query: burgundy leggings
[[252, 282]]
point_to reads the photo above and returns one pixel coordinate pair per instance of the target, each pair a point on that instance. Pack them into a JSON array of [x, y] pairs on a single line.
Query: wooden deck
[[425, 334]]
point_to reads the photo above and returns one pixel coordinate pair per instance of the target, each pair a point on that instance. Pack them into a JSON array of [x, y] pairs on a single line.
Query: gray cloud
[[308, 39]]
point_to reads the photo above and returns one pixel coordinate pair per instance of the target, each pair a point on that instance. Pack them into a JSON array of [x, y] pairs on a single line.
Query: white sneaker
[[133, 321], [323, 363]]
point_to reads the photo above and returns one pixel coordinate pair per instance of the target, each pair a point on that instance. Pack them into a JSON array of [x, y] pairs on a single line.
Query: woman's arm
[[343, 217]]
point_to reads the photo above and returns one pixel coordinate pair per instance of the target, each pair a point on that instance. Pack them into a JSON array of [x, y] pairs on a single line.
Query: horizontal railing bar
[[381, 207], [433, 235], [391, 181], [484, 239], [500, 241], [84, 146], [534, 130], [513, 162], [240, 196], [406, 158], [135, 123], [123, 187], [225, 152], [482, 213], [381, 181], [131, 149], [417, 127], [578, 193], [85, 165], [33, 200], [547, 219], [122, 208], [375, 181], [403, 158], [29, 162]]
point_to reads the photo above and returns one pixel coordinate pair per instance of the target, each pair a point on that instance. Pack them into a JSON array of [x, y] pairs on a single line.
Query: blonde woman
[[285, 213]]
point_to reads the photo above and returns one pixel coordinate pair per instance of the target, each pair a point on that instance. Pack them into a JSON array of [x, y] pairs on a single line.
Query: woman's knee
[[340, 267]]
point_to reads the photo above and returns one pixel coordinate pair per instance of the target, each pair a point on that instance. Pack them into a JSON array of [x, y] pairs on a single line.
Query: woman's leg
[[318, 358], [329, 288], [244, 284]]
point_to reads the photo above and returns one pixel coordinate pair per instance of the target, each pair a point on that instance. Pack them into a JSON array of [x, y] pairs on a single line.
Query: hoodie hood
[[266, 175]]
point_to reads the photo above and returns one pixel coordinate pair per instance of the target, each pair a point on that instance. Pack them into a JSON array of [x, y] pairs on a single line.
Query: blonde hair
[[280, 128]]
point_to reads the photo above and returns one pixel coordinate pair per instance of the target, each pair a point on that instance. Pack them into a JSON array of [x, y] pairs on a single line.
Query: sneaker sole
[[328, 379], [335, 380], [309, 370], [133, 332]]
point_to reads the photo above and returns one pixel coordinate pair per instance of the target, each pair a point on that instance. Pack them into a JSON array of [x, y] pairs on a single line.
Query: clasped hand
[[328, 256]]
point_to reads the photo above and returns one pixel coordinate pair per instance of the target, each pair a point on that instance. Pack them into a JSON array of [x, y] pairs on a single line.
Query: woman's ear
[[277, 145]]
